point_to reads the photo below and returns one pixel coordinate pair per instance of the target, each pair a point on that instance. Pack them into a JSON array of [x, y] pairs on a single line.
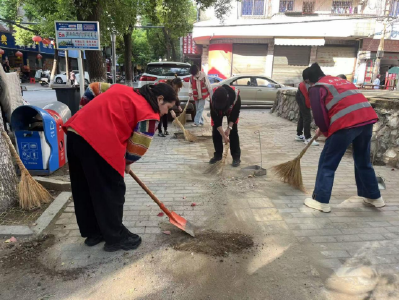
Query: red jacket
[[304, 91], [346, 106], [108, 122]]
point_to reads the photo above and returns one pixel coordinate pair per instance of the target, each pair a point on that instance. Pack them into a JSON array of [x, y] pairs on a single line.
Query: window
[[285, 6], [244, 81], [394, 9], [265, 83], [252, 7], [343, 7], [168, 69], [308, 7]]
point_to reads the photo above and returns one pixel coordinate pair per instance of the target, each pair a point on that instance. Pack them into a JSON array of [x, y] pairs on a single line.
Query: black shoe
[[93, 241], [166, 132], [160, 134], [214, 160], [129, 243], [236, 163]]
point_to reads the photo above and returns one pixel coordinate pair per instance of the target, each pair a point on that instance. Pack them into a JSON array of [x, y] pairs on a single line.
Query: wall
[[385, 139]]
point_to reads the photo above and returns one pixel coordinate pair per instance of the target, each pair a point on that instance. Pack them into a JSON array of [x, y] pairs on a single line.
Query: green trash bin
[[70, 96]]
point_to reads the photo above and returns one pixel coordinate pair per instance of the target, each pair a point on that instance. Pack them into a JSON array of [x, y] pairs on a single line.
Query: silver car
[[255, 90]]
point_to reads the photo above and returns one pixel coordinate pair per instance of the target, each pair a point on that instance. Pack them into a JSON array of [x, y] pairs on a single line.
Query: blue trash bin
[[41, 142]]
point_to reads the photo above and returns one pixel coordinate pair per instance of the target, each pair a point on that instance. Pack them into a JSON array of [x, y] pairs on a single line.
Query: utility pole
[[114, 60], [381, 47]]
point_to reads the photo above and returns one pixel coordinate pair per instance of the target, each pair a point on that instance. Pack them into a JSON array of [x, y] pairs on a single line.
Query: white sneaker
[[317, 205], [375, 202], [299, 138], [195, 125], [314, 143]]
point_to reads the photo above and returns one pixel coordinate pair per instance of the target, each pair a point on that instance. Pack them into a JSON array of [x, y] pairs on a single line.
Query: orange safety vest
[[107, 125], [228, 112], [346, 106], [204, 90], [304, 91]]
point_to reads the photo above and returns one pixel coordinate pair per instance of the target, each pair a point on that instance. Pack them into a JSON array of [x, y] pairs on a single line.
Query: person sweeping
[[225, 102], [345, 117], [112, 131]]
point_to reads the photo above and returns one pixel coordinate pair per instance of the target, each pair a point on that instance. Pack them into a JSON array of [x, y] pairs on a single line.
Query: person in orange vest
[[109, 133], [345, 117], [200, 89], [225, 102], [303, 101]]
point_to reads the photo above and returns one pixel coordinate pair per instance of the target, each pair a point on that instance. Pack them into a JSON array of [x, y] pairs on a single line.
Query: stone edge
[[53, 184], [42, 222]]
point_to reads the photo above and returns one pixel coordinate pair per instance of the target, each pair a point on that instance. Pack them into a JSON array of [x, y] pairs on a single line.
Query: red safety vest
[[108, 122], [346, 106], [304, 91], [228, 112], [204, 90]]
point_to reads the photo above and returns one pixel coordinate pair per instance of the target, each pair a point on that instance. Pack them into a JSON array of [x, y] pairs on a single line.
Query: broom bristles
[[182, 116], [190, 137], [290, 172], [218, 167]]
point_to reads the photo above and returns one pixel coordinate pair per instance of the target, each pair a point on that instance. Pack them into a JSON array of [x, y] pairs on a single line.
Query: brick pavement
[[343, 243]]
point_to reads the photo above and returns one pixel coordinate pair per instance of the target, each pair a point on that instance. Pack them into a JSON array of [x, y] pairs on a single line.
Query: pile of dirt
[[26, 255], [215, 243]]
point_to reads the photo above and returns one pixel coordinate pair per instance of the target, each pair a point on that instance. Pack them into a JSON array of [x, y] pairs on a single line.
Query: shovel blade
[[181, 223]]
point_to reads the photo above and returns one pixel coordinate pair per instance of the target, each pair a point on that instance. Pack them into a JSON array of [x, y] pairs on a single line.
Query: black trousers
[[219, 144], [163, 122], [98, 191], [304, 122]]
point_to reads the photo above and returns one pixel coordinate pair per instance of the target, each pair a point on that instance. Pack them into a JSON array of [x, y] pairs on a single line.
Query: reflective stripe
[[348, 110], [336, 96]]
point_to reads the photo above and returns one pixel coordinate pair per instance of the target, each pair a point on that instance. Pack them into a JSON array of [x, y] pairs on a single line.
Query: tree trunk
[[96, 65], [128, 58], [167, 43], [173, 50]]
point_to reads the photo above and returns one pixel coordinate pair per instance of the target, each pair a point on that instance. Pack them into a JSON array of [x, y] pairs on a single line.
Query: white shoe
[[317, 205], [194, 125], [314, 143], [375, 202], [299, 138]]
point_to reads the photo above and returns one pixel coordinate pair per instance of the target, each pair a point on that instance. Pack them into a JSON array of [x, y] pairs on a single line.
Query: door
[[248, 89], [266, 91], [249, 59], [337, 60], [289, 63]]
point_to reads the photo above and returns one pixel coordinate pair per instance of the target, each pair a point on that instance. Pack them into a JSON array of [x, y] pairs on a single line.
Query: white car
[[62, 78]]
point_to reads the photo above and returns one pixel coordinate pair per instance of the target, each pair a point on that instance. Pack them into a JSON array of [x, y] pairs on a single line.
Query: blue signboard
[[7, 41], [76, 35], [47, 49]]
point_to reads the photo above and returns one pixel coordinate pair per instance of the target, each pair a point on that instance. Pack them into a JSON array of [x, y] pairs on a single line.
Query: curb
[[53, 184], [42, 222]]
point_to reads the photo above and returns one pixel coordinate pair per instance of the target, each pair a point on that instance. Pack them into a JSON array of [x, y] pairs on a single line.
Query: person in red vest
[[303, 101], [200, 89], [109, 133], [225, 102], [345, 117]]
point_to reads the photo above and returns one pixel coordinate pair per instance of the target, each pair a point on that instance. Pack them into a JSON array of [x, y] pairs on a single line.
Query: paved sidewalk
[[350, 253]]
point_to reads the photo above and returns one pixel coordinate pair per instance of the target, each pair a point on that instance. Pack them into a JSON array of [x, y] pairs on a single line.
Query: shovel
[[174, 218]]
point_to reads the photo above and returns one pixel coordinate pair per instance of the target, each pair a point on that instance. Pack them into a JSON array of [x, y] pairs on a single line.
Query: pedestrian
[[176, 84], [93, 90], [114, 130], [225, 102], [377, 82], [6, 65], [303, 101], [72, 77], [345, 117], [200, 89]]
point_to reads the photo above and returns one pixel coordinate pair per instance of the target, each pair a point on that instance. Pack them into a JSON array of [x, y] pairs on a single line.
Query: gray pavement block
[[335, 254], [16, 231], [53, 184], [371, 237]]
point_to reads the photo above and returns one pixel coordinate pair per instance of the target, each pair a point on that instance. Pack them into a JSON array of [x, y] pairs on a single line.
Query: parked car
[[255, 90], [156, 71], [62, 77]]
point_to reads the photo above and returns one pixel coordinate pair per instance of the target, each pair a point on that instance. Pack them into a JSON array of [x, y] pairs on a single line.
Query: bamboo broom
[[190, 137], [31, 193], [182, 116], [290, 172], [218, 167]]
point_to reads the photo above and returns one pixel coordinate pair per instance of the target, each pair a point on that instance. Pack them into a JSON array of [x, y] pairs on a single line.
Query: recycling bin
[[40, 139]]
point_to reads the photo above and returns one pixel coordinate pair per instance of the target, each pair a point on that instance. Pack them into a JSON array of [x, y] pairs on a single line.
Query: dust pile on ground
[[215, 243], [26, 255]]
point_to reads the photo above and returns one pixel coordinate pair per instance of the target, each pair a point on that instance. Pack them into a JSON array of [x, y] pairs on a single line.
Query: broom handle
[[187, 103], [13, 151], [308, 146], [176, 120], [152, 196]]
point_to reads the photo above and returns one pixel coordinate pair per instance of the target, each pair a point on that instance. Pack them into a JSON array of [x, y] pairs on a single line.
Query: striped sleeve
[[140, 140], [94, 89]]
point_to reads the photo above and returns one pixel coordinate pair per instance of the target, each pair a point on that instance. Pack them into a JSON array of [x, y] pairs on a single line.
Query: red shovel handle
[[152, 196]]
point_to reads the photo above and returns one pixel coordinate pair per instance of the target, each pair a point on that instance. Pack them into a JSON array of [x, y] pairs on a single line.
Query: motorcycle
[[44, 81]]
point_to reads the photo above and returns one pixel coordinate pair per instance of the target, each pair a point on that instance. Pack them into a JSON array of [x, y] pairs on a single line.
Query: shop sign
[[76, 35]]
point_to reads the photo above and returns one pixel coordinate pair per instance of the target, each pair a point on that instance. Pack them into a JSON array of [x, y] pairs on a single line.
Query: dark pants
[[234, 142], [163, 122], [304, 120], [335, 147], [98, 191]]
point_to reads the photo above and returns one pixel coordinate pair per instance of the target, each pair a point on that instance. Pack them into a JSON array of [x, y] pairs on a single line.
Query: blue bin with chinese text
[[41, 142]]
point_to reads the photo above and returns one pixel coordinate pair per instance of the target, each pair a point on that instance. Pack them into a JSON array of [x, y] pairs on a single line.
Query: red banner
[[189, 45]]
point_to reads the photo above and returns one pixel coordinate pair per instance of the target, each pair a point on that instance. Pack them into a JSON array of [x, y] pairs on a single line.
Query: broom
[[218, 167], [182, 116], [31, 193], [290, 172], [190, 137]]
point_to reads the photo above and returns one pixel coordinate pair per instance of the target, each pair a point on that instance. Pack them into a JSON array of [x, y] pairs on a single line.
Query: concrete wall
[[385, 139]]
